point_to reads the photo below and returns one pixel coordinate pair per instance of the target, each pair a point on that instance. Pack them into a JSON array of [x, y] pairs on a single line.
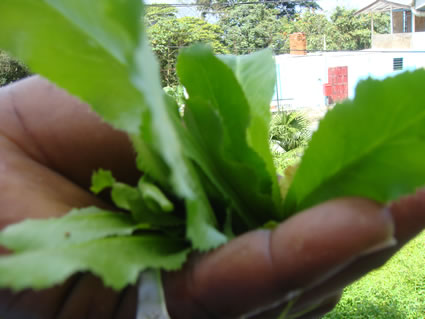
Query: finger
[[409, 217], [62, 133], [261, 267], [82, 296], [28, 304], [326, 306], [89, 299], [290, 310]]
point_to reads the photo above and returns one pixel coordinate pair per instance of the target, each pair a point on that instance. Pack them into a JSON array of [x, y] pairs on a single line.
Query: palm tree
[[289, 134], [289, 130]]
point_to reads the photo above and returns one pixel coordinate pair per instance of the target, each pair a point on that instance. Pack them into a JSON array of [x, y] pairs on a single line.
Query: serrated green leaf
[[101, 180], [201, 223], [80, 225], [142, 213], [123, 194], [204, 237], [373, 146], [118, 76], [149, 160], [217, 115], [152, 194], [86, 47], [118, 261], [256, 73]]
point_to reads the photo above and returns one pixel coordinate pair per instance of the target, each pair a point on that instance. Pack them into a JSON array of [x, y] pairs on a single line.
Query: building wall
[[301, 79], [413, 41], [389, 41]]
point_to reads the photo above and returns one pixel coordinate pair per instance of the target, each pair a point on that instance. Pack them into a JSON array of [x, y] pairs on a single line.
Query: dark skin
[[49, 145]]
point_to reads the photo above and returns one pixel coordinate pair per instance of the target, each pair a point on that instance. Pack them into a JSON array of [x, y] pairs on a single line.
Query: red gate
[[337, 87]]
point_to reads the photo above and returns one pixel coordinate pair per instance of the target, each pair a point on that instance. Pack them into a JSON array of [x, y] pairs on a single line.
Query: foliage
[[130, 97], [289, 130], [289, 135], [317, 28], [11, 69], [343, 31], [168, 34], [366, 166], [177, 93], [207, 176], [291, 8], [283, 8], [154, 14], [354, 32], [282, 160], [394, 291], [248, 28]]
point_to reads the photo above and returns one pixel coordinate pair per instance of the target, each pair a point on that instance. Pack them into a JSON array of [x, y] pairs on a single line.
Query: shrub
[[289, 134], [11, 70]]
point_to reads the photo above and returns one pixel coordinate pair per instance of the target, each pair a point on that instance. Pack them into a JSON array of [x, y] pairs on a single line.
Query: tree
[[248, 28], [168, 34], [289, 135], [157, 13], [291, 9], [317, 29], [284, 8], [354, 32], [343, 31], [289, 130]]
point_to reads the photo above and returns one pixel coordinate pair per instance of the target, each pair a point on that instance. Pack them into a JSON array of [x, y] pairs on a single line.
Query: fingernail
[[388, 242]]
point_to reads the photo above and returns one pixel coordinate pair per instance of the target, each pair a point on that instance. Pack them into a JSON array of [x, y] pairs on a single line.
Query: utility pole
[[371, 28]]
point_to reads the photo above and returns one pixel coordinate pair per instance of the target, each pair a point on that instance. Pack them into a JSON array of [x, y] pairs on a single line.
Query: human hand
[[49, 146]]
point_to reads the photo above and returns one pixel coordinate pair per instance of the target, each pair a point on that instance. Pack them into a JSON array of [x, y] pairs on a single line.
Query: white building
[[314, 80], [301, 79]]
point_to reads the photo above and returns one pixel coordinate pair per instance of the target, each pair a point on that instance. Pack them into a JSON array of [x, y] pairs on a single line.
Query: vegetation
[[220, 146], [395, 291], [248, 28], [168, 34], [242, 29], [289, 134], [284, 8], [11, 69]]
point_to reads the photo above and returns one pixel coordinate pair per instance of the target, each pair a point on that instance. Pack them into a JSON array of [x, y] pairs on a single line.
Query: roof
[[420, 4], [384, 5]]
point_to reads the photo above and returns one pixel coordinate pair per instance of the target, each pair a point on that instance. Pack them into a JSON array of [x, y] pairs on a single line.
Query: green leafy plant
[[209, 175]]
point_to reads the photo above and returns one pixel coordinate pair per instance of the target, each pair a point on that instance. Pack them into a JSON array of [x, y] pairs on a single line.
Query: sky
[[329, 5]]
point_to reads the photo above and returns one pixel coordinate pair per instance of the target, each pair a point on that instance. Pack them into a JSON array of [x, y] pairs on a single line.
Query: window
[[397, 64]]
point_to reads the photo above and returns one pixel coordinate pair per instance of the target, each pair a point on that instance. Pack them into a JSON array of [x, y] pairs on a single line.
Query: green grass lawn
[[395, 291]]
